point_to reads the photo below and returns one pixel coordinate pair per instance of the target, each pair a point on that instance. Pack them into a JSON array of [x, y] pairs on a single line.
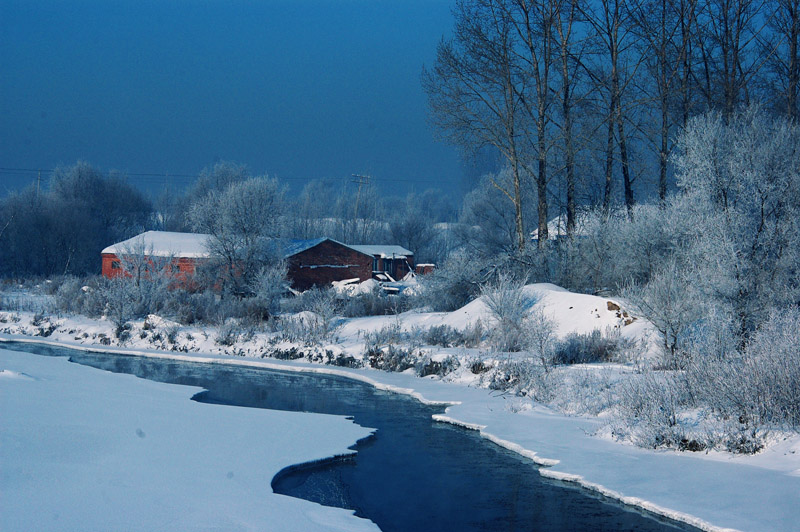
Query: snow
[[557, 227], [712, 490], [352, 287], [84, 449], [164, 244], [570, 312], [384, 251]]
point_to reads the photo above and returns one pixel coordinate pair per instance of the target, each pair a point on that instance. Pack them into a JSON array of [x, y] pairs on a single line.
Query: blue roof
[[293, 247]]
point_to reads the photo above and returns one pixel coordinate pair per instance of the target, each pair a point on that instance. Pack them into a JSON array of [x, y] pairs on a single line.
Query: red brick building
[[177, 253], [321, 261], [315, 262]]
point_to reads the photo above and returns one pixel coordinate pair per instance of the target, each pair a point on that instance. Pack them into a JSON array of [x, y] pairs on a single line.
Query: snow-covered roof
[[293, 247], [557, 227], [164, 244], [383, 251], [194, 245]]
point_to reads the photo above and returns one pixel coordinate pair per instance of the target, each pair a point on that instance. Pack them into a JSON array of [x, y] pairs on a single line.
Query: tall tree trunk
[[793, 65], [609, 166], [541, 178], [541, 191], [569, 150], [664, 93], [564, 33], [626, 174], [518, 222]]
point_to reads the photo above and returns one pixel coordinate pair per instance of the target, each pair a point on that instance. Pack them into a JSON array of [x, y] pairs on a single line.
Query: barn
[[323, 260], [316, 262]]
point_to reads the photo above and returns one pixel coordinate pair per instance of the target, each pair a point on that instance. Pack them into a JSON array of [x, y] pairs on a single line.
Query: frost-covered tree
[[243, 221], [668, 301], [742, 179], [487, 226]]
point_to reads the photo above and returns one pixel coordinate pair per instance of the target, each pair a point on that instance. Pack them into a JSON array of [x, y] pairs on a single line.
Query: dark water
[[413, 475]]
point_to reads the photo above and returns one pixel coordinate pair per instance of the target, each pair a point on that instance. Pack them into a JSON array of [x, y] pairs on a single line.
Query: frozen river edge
[[708, 494]]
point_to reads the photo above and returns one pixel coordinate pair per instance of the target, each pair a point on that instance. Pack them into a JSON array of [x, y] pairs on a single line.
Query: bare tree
[[534, 22], [566, 15], [474, 90], [609, 20], [664, 28], [728, 46], [782, 49]]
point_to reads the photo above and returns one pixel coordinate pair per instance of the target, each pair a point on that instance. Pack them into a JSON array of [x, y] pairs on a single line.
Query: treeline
[[61, 229], [584, 99]]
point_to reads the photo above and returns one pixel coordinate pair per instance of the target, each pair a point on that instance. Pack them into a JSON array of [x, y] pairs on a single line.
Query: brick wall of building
[[328, 262], [182, 269]]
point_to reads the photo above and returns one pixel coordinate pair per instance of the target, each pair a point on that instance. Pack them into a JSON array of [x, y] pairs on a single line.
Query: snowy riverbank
[[84, 449], [711, 491]]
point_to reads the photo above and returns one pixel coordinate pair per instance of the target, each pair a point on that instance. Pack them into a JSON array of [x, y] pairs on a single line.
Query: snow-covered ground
[[712, 490], [84, 449]]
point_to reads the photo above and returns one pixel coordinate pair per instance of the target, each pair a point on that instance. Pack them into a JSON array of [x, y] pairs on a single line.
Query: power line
[[151, 176]]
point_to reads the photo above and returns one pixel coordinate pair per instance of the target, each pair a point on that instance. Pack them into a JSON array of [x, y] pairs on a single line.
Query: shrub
[[508, 302], [525, 376], [306, 327], [649, 410], [586, 348], [389, 334], [319, 307], [287, 354], [80, 296], [427, 366], [374, 303], [228, 332], [390, 358], [477, 367], [201, 307], [454, 284], [756, 384], [342, 360]]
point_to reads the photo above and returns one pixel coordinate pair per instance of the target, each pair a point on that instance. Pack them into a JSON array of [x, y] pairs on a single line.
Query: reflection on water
[[414, 474]]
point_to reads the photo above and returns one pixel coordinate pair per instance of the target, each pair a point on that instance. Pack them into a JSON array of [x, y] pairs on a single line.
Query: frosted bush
[[649, 409], [757, 385], [587, 348], [508, 302]]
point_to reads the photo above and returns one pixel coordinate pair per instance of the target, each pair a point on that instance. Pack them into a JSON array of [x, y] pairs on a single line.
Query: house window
[[115, 265]]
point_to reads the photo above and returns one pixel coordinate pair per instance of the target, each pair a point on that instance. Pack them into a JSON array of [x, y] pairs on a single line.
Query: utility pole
[[360, 180]]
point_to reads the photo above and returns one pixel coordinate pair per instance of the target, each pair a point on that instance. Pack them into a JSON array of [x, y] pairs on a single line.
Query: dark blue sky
[[298, 89]]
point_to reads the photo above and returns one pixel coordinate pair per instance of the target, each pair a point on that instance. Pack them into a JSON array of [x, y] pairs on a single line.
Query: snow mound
[[157, 322], [570, 312]]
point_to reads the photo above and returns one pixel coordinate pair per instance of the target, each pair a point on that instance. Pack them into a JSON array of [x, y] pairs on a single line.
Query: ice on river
[[84, 449]]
